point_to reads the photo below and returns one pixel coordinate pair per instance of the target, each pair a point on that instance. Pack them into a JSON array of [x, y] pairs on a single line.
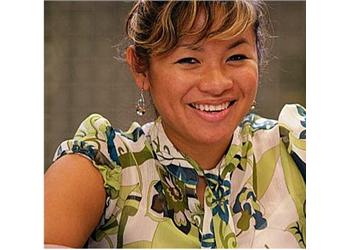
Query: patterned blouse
[[254, 197]]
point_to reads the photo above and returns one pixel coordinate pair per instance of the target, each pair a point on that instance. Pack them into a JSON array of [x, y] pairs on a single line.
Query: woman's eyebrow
[[237, 43], [197, 47]]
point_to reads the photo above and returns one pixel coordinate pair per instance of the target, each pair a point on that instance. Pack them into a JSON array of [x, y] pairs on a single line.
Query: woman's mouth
[[212, 112], [212, 107]]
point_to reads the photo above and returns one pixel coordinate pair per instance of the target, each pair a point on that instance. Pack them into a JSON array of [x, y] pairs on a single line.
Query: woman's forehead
[[196, 42], [200, 23], [199, 28]]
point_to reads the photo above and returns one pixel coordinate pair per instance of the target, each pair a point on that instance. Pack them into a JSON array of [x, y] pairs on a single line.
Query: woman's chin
[[211, 138]]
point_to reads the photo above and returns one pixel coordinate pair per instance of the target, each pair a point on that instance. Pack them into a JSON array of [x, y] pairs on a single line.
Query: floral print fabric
[[255, 196]]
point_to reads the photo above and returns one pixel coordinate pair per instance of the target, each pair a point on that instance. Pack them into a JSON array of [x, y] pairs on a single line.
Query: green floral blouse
[[254, 198]]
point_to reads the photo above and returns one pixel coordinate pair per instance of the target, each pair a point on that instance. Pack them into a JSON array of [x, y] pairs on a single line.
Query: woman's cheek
[[248, 81]]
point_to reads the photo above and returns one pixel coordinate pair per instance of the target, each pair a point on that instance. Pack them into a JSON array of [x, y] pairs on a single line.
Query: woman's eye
[[237, 57], [188, 60]]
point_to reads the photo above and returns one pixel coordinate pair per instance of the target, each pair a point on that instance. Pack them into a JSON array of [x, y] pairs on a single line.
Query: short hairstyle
[[155, 27]]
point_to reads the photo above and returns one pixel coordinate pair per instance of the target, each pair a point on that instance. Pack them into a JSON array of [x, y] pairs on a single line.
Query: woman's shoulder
[[110, 150], [291, 119], [288, 134], [265, 134], [99, 127], [292, 129], [96, 133], [97, 140]]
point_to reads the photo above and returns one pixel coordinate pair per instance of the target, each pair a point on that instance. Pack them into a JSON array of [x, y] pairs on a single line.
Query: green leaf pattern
[[151, 187]]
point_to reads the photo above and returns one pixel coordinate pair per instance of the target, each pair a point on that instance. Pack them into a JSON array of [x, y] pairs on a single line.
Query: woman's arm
[[74, 201]]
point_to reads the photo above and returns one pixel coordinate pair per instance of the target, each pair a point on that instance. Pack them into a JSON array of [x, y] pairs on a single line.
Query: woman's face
[[203, 92]]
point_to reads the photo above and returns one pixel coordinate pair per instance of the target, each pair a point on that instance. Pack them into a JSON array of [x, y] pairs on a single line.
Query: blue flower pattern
[[244, 203], [221, 190]]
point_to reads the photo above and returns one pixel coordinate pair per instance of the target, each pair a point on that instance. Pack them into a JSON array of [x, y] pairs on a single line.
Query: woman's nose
[[215, 81]]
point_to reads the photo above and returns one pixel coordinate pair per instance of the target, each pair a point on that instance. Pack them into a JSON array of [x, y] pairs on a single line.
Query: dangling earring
[[141, 106], [252, 108]]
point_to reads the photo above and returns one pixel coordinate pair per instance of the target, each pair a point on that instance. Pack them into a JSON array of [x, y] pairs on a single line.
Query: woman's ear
[[140, 76]]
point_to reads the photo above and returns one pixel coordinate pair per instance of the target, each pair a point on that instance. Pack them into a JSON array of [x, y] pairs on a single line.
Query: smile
[[211, 107]]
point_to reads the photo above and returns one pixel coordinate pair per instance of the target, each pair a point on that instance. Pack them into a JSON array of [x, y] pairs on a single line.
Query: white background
[[21, 124]]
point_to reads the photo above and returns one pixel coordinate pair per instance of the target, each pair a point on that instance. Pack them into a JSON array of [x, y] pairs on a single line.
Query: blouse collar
[[180, 175], [181, 166]]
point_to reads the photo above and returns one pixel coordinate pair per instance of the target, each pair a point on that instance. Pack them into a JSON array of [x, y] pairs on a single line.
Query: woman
[[207, 172]]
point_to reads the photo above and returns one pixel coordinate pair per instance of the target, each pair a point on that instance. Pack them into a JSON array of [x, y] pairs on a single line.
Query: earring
[[141, 106], [252, 108]]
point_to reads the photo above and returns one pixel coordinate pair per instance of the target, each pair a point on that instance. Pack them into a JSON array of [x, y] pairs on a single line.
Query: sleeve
[[292, 126], [292, 123], [94, 140]]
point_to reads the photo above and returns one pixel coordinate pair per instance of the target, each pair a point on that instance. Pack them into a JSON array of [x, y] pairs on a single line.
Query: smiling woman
[[208, 91], [208, 172]]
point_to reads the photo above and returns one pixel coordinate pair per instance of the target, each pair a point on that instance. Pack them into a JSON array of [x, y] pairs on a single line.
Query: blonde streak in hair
[[152, 41], [224, 15], [185, 25], [192, 13], [244, 10], [241, 22], [250, 12], [168, 30], [132, 24], [134, 30], [204, 28], [169, 38], [233, 30], [240, 18], [165, 31]]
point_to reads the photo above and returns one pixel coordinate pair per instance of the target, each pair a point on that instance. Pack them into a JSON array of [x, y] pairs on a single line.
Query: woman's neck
[[207, 155]]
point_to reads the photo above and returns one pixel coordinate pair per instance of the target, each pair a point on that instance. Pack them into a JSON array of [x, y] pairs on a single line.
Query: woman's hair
[[155, 27]]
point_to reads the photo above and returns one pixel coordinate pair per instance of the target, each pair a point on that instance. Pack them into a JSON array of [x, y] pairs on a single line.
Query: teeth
[[208, 107]]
